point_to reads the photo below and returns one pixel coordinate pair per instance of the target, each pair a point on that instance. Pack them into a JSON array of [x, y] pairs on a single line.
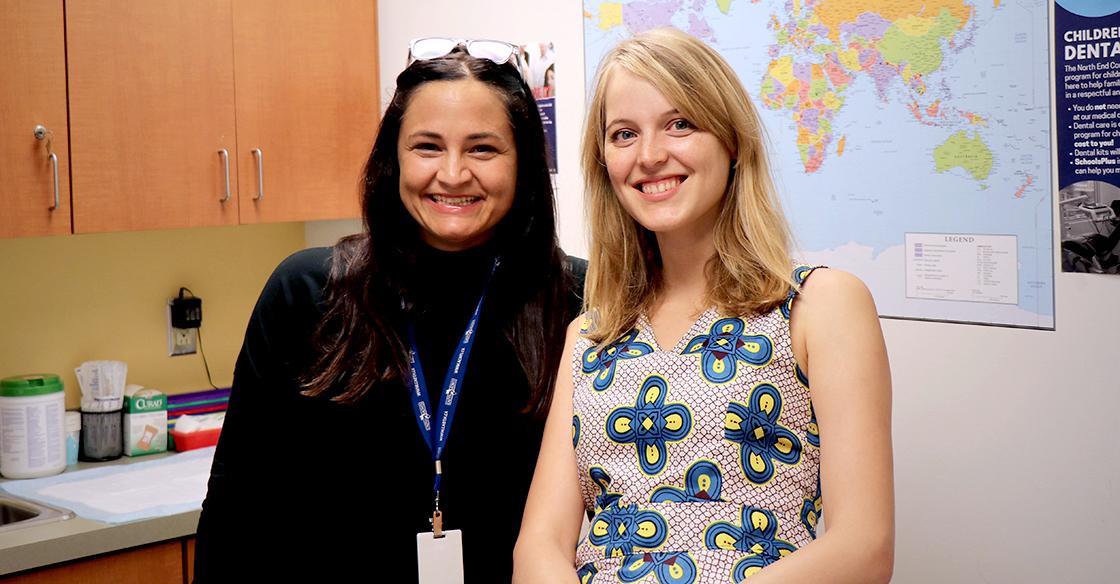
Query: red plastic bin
[[200, 439]]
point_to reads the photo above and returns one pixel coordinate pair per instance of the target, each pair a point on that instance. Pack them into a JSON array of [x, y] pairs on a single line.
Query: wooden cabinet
[[307, 103], [160, 563], [33, 75], [188, 113], [151, 106], [188, 560]]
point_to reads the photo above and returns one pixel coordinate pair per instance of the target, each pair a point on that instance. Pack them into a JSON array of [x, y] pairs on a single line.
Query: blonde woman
[[684, 425]]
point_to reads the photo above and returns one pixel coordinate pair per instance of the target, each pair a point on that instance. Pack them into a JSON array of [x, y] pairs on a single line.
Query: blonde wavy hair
[[751, 269]]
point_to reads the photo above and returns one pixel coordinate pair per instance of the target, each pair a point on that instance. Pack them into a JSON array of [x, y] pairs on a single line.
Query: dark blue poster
[[547, 105], [537, 62], [1087, 78]]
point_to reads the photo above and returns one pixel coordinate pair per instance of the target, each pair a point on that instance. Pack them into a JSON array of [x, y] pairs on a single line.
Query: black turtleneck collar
[[452, 278], [471, 257]]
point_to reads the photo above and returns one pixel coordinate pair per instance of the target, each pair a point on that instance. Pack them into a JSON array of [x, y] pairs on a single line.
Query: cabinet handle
[[54, 164], [42, 133], [260, 174], [225, 162]]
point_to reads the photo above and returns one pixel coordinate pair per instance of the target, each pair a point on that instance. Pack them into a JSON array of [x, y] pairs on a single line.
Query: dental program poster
[[1087, 78]]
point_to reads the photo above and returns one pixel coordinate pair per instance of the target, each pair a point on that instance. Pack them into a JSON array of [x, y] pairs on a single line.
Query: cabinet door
[[307, 102], [151, 107], [33, 75]]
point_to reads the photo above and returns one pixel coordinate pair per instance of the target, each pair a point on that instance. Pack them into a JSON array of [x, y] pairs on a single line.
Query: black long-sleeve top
[[306, 487]]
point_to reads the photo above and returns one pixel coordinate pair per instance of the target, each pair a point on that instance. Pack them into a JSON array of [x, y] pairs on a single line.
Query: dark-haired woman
[[432, 336]]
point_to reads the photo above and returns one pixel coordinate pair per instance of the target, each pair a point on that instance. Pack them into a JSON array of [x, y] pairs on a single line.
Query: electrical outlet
[[180, 341]]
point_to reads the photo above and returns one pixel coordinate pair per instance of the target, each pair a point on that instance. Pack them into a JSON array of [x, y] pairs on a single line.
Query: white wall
[[518, 22], [1006, 451]]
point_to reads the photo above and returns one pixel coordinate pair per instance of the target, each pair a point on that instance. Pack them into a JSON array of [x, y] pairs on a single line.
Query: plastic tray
[[190, 440]]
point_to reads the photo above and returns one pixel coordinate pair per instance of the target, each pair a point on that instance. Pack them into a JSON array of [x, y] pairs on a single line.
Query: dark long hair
[[369, 294]]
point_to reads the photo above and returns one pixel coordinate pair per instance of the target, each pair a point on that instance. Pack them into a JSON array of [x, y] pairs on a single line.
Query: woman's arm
[[839, 344], [545, 550], [240, 498]]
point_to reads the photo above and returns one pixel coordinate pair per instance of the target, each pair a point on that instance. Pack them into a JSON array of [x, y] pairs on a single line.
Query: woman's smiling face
[[458, 162], [668, 174]]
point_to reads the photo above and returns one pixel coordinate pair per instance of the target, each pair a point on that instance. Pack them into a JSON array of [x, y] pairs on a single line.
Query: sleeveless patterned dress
[[700, 462]]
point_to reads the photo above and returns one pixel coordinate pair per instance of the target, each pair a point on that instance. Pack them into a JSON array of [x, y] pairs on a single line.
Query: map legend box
[[962, 266]]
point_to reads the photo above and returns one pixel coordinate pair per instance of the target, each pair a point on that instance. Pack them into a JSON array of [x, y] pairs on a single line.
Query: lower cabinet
[[188, 560], [169, 562]]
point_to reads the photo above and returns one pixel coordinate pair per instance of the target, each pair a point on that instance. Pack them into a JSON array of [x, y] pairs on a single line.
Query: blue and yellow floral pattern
[[800, 376], [811, 511], [586, 574], [603, 362], [799, 275], [761, 439], [756, 534], [787, 305], [690, 435], [603, 481], [668, 568], [801, 272], [575, 431], [812, 432], [650, 424], [620, 529], [702, 483], [724, 346]]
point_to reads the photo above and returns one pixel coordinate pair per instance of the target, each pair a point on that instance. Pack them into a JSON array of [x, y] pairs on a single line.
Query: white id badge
[[440, 560]]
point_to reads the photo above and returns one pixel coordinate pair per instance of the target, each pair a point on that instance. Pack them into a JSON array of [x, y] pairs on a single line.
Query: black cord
[[202, 352], [198, 331]]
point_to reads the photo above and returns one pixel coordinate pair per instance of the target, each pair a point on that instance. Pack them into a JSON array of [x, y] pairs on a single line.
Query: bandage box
[[145, 421]]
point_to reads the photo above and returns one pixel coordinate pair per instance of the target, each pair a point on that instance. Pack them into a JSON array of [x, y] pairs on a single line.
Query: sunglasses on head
[[422, 49]]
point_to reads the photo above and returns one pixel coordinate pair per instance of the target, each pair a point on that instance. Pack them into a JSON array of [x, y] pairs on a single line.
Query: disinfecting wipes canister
[[32, 443]]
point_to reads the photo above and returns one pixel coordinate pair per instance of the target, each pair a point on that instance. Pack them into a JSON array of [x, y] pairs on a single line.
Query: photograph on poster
[[1090, 212], [537, 62]]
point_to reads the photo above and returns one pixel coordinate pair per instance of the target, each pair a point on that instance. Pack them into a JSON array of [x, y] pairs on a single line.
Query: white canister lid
[[73, 421]]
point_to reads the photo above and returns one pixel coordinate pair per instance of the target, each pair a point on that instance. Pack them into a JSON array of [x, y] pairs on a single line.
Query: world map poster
[[910, 139]]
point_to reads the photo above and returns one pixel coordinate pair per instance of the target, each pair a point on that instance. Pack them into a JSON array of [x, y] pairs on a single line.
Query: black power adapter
[[186, 314], [186, 311]]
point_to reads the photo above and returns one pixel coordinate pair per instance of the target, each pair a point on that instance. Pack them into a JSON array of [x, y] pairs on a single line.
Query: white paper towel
[[119, 493]]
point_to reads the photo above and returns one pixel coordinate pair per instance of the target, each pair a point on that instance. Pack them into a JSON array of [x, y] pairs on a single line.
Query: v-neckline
[[645, 324]]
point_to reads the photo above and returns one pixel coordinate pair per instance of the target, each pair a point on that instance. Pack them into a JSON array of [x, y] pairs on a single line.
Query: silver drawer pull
[[42, 133], [260, 174], [54, 163], [225, 162]]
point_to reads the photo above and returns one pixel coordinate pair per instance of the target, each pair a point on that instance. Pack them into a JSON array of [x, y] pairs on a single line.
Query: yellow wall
[[64, 300]]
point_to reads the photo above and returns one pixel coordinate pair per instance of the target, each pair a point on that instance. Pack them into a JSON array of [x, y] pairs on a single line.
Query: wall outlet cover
[[180, 341]]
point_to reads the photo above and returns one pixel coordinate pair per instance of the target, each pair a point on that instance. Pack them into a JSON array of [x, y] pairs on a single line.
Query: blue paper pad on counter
[[125, 492]]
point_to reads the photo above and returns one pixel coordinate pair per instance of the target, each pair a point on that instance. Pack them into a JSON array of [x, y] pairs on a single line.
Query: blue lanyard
[[436, 437]]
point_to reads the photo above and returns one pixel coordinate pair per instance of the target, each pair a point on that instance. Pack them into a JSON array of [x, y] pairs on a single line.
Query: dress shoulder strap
[[800, 274]]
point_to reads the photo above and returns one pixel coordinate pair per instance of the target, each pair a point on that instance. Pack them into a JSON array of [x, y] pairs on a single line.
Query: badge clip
[[437, 524], [437, 515]]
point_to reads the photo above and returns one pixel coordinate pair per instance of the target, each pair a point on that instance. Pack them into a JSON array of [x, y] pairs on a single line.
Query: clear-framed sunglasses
[[422, 49]]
